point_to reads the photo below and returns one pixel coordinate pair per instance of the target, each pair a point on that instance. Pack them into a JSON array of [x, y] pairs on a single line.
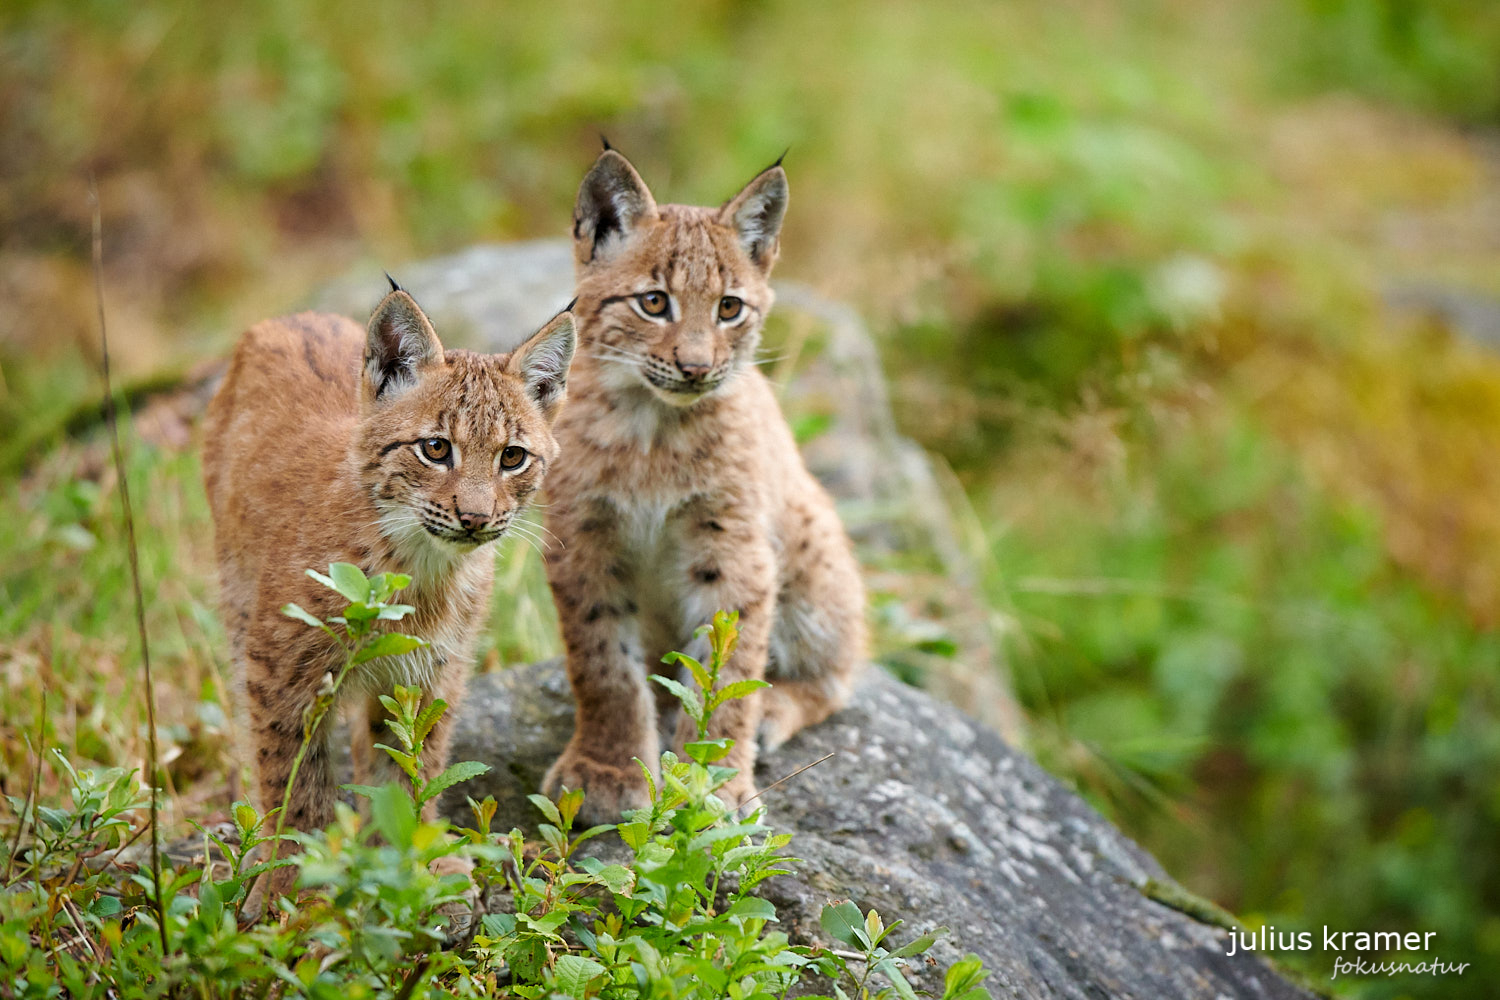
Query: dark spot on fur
[[706, 574], [312, 364]]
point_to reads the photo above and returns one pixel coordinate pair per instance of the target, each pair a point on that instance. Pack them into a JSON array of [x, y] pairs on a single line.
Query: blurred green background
[[1191, 297]]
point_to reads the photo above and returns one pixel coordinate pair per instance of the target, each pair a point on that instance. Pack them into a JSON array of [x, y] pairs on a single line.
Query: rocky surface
[[929, 817]]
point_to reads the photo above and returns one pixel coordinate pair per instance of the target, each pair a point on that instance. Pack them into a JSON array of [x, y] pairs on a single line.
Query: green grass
[[1220, 653]]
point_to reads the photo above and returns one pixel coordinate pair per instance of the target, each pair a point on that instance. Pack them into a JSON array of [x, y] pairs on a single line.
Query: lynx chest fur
[[680, 490]]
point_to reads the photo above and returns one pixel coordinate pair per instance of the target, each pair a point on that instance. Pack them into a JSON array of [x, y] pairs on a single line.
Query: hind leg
[[792, 705], [818, 637], [817, 651]]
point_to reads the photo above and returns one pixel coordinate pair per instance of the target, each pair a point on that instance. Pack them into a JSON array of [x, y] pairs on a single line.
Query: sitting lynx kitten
[[680, 490], [328, 443]]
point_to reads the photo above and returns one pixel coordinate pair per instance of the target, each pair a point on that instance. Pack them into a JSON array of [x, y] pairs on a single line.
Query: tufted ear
[[756, 214], [542, 363], [400, 343], [612, 201]]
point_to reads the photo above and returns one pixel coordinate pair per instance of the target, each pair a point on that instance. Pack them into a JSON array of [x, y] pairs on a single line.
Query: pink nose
[[693, 369], [472, 522]]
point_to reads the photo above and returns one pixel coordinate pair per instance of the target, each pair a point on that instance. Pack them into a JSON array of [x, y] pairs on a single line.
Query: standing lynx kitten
[[680, 490], [328, 443]]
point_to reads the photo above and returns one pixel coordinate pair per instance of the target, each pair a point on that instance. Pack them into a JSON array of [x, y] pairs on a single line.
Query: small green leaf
[[105, 906], [874, 927], [714, 835], [962, 976], [295, 611], [394, 813], [752, 908], [368, 791], [568, 804], [615, 878], [57, 819], [429, 716], [484, 813], [554, 837], [921, 944], [349, 580], [245, 820], [708, 751], [407, 762], [634, 834], [845, 923], [359, 611], [574, 973], [325, 581], [690, 702], [210, 905], [461, 771], [892, 971], [388, 644], [739, 689], [547, 807]]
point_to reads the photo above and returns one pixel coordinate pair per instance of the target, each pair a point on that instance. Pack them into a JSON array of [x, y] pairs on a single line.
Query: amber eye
[[436, 449], [654, 303], [512, 458], [730, 308]]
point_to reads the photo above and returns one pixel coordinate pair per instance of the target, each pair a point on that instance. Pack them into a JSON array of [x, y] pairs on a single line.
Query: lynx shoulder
[[680, 489]]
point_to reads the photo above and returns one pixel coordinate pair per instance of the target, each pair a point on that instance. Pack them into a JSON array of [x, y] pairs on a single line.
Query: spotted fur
[[314, 454], [680, 489]]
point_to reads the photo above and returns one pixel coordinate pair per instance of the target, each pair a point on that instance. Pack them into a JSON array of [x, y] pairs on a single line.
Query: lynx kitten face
[[678, 294], [331, 443], [453, 445]]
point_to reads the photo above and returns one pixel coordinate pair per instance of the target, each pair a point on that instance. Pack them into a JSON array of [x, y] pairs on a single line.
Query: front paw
[[608, 789], [462, 914]]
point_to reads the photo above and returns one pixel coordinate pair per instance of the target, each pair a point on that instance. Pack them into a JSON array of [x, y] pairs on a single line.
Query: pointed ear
[[612, 201], [400, 343], [756, 213], [542, 363]]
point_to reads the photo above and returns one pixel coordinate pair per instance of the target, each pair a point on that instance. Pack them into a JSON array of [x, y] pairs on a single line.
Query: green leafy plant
[[358, 634], [700, 705], [675, 917]]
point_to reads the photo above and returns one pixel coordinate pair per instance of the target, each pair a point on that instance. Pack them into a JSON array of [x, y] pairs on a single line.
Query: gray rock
[[928, 817]]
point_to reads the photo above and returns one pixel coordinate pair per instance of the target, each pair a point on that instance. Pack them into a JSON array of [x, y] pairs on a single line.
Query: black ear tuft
[[781, 157], [400, 343], [542, 362], [756, 214], [605, 139], [612, 201], [394, 287]]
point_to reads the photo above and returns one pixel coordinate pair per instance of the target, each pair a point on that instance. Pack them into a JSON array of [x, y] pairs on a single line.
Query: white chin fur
[[427, 556], [681, 400]]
